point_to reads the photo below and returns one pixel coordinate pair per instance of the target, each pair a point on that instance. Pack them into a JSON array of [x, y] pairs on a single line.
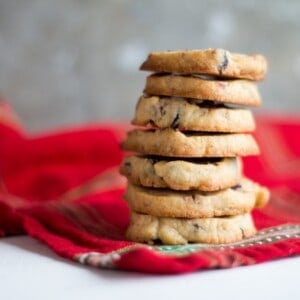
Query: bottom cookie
[[176, 231]]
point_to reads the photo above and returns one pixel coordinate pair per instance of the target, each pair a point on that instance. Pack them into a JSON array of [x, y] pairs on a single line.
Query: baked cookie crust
[[185, 114], [236, 200], [178, 174], [174, 143], [217, 62], [176, 231], [242, 92]]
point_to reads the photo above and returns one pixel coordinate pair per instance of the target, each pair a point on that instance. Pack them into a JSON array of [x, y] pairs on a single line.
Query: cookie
[[232, 201], [162, 112], [194, 174], [228, 91], [174, 143], [217, 62], [175, 231]]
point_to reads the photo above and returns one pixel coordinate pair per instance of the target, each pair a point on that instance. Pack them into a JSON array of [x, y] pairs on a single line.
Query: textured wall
[[64, 61]]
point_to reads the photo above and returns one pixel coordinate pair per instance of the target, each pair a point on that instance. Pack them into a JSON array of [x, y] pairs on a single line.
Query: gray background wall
[[65, 62]]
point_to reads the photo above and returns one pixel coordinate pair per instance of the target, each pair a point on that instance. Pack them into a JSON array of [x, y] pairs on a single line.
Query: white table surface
[[29, 270]]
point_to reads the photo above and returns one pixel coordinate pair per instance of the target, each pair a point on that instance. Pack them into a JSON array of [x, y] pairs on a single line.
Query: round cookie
[[194, 174], [174, 143], [217, 62], [196, 204], [175, 231], [162, 112], [229, 91]]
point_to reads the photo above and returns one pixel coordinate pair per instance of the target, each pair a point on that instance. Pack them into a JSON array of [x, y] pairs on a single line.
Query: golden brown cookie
[[164, 112], [217, 62], [174, 231], [174, 143], [177, 174], [228, 91], [232, 201]]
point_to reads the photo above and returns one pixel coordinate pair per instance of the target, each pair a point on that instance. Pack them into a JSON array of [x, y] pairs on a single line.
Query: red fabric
[[64, 189]]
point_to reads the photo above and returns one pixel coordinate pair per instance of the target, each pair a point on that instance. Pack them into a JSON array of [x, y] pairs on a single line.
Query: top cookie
[[216, 62]]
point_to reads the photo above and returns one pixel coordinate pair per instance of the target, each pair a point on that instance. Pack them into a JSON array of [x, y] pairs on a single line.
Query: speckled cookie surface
[[174, 231], [218, 62], [174, 143], [196, 204], [164, 112], [228, 91], [178, 174]]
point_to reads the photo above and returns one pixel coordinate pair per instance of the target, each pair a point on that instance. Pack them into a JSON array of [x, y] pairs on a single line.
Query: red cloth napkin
[[64, 189]]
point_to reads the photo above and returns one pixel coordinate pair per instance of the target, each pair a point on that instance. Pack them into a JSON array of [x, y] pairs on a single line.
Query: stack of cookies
[[186, 182]]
